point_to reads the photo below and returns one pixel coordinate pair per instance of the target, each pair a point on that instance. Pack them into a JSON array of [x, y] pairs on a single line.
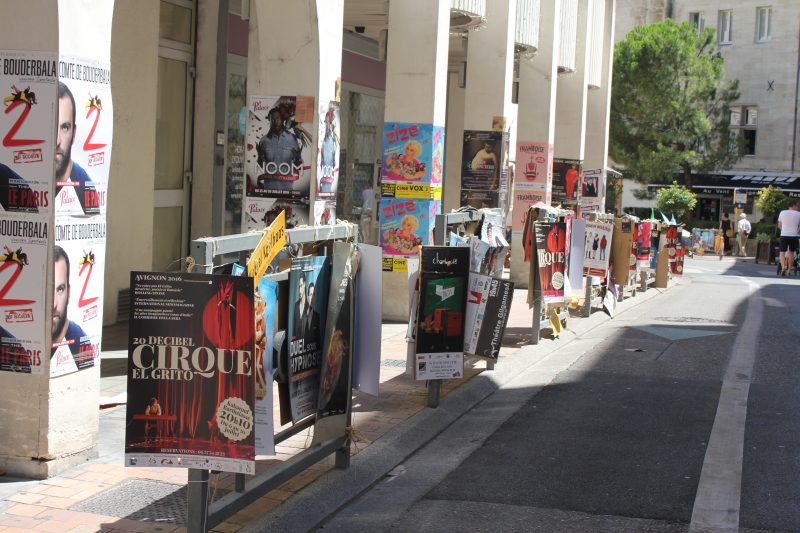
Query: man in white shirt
[[743, 231], [789, 224]]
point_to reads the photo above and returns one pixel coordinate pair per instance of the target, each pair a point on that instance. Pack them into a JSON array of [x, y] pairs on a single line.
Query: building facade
[[182, 75]]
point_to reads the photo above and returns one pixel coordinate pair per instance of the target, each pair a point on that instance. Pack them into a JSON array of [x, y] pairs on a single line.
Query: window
[[744, 123], [698, 20], [763, 29], [725, 27]]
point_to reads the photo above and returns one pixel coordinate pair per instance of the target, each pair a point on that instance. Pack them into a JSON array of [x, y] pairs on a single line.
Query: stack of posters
[[440, 316], [191, 366], [411, 190]]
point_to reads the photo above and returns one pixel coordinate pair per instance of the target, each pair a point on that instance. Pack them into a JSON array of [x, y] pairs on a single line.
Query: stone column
[[598, 106], [295, 49], [487, 102], [414, 117], [25, 401], [538, 81]]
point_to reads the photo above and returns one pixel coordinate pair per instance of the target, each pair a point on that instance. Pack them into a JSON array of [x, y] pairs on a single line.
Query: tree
[[675, 199], [670, 104], [771, 201]]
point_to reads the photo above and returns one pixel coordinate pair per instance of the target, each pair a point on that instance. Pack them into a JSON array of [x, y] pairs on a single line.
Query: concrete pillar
[[210, 91], [454, 141], [538, 82], [24, 402], [295, 49], [490, 78], [598, 106], [572, 92], [416, 84]]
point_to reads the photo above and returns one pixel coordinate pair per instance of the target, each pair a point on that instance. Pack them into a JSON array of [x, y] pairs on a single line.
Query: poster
[[566, 181], [83, 150], [643, 238], [408, 153], [235, 125], [534, 167], [551, 259], [406, 225], [488, 307], [440, 323], [522, 200], [368, 312], [28, 84], [85, 131], [28, 88], [279, 151], [677, 265], [261, 212], [328, 160], [482, 160], [308, 308], [191, 366], [324, 212], [576, 255], [79, 270], [671, 241], [335, 388], [480, 199], [593, 190], [597, 243], [266, 301]]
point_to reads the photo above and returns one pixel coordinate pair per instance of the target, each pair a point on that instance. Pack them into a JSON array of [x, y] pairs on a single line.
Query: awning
[[725, 183]]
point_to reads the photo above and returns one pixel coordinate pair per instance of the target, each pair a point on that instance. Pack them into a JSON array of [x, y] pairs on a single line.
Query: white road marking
[[716, 505]]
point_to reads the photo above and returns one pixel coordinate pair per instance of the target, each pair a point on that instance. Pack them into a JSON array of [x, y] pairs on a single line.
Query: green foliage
[[668, 98], [763, 237], [771, 201], [675, 199]]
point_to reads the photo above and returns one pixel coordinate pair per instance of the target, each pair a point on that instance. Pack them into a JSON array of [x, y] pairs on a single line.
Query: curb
[[314, 504]]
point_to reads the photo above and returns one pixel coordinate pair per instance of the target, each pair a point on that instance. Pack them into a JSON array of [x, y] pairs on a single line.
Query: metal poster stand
[[202, 514], [540, 319], [443, 223]]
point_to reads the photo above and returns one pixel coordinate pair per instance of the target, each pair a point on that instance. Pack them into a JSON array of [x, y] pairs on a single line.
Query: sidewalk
[[104, 495]]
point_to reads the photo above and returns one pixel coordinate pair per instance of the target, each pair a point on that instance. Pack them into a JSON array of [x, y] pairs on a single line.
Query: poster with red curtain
[[551, 258], [191, 364]]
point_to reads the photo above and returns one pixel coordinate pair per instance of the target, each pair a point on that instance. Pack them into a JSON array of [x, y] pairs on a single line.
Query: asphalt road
[[678, 415]]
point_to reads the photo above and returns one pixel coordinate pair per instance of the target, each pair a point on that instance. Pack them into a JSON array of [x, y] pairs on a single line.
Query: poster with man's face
[[482, 160], [78, 270], [84, 133], [28, 82], [278, 158], [328, 151]]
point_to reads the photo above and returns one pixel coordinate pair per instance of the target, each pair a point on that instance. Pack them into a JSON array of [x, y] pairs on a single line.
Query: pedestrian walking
[[743, 230], [789, 224]]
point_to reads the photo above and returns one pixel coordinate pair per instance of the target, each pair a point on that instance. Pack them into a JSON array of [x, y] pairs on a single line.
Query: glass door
[[173, 135]]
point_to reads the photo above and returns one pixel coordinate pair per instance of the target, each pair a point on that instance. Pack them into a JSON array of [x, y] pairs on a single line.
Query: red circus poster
[[551, 259], [191, 364]]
